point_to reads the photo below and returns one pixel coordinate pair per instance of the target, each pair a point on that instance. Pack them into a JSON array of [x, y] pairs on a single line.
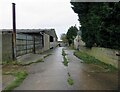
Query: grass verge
[[19, 77], [21, 64], [92, 60]]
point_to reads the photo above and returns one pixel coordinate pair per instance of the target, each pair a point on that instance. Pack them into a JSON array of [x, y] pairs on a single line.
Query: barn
[[27, 41]]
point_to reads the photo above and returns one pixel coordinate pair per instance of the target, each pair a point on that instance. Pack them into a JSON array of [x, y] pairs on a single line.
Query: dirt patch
[[12, 68], [7, 78]]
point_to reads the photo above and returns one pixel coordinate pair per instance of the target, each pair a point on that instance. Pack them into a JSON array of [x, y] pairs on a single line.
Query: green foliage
[[71, 34], [19, 77], [63, 38], [92, 60], [100, 23], [70, 80], [65, 62]]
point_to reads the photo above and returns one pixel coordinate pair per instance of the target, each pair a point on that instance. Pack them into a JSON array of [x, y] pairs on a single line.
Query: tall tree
[[71, 34], [63, 38], [100, 23]]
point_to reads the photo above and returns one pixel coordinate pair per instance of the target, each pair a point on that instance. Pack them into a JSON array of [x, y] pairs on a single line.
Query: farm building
[[27, 41]]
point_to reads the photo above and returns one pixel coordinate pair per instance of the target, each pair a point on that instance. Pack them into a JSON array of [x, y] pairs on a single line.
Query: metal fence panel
[[25, 43]]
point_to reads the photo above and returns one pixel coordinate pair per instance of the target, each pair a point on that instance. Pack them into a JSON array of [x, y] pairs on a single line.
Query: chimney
[[14, 31]]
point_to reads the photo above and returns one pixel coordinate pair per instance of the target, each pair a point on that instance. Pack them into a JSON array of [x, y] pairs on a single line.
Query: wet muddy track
[[52, 75]]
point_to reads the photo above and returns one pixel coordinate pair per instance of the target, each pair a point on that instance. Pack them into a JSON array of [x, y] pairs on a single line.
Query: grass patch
[[47, 55], [92, 60], [11, 63], [65, 62], [19, 77], [12, 68], [70, 80]]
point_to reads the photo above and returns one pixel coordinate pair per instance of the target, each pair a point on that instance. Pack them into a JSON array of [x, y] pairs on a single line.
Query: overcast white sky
[[36, 14]]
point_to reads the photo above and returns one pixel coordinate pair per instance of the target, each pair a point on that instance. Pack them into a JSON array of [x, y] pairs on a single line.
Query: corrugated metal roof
[[29, 30], [50, 32], [6, 30]]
